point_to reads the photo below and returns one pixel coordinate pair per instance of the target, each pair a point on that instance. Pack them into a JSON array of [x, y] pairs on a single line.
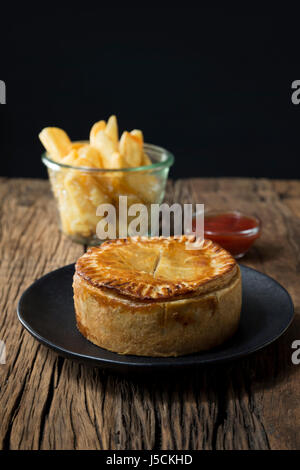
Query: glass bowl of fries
[[80, 191]]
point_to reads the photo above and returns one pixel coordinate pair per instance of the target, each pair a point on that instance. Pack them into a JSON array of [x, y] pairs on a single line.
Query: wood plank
[[30, 245]]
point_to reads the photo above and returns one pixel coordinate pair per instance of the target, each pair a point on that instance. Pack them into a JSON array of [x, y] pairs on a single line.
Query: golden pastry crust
[[191, 303], [156, 268]]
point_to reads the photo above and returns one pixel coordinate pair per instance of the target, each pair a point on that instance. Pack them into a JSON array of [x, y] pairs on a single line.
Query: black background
[[211, 85]]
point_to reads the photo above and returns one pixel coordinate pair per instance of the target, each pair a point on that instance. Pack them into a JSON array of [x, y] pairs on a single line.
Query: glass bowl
[[79, 191]]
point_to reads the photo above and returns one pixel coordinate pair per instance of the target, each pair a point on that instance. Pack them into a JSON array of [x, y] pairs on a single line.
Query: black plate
[[46, 310]]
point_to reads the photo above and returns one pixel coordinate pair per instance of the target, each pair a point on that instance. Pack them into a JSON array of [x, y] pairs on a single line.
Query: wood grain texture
[[48, 402]]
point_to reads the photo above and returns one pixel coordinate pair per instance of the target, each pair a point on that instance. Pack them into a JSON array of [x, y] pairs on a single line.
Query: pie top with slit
[[157, 268]]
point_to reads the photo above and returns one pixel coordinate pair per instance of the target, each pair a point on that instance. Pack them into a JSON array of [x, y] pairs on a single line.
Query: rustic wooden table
[[48, 402]]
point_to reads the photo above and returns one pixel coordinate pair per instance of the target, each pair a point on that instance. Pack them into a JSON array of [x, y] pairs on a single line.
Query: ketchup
[[232, 230]]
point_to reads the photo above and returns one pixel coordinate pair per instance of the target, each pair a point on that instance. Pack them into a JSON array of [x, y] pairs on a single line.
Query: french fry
[[112, 129], [84, 196], [137, 133], [71, 158], [145, 159], [118, 161], [90, 157], [77, 145], [131, 149], [56, 142], [106, 146], [86, 156], [144, 185], [111, 181], [97, 196], [123, 190], [98, 126]]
